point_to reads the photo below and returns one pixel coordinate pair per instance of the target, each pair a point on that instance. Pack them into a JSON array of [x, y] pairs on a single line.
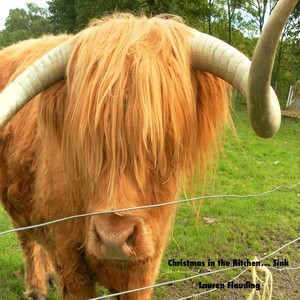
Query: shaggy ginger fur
[[130, 120]]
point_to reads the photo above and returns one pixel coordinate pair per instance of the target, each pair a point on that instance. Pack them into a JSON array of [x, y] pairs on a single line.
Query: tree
[[286, 70], [73, 15], [87, 10], [232, 8], [258, 11], [22, 24], [62, 15]]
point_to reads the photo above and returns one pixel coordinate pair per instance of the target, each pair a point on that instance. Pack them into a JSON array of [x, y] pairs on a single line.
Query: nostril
[[132, 237], [97, 236]]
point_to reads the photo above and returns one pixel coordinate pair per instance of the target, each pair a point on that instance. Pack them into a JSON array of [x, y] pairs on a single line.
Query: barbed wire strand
[[284, 246], [149, 206], [165, 283], [285, 268], [236, 277], [214, 289], [263, 258], [201, 275]]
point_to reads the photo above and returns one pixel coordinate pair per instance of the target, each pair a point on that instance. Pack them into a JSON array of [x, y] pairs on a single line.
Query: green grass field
[[242, 228]]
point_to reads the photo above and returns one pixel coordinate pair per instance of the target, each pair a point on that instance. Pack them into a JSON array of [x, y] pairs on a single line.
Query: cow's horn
[[46, 71], [208, 54], [264, 114], [214, 56]]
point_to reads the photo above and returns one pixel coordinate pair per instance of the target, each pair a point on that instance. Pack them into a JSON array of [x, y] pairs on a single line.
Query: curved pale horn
[[214, 56], [209, 54], [264, 114], [228, 63], [46, 71]]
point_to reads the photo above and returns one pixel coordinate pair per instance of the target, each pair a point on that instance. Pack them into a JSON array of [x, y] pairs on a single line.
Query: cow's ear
[[212, 98], [51, 111]]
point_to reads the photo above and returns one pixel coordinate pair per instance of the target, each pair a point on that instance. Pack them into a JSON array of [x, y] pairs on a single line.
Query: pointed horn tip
[[266, 121], [266, 133]]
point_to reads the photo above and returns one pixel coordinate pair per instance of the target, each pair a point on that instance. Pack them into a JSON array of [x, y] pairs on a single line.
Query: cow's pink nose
[[116, 242]]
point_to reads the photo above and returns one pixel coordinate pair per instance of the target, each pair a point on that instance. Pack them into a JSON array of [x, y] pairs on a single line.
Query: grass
[[247, 227], [243, 228]]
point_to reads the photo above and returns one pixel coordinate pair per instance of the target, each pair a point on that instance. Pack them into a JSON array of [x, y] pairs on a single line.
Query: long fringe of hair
[[135, 105]]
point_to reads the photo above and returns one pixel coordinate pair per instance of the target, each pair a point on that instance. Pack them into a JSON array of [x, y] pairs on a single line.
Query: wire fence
[[207, 274], [197, 275], [278, 188]]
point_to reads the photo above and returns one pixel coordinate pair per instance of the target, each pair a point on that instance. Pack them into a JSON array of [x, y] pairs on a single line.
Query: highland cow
[[132, 111]]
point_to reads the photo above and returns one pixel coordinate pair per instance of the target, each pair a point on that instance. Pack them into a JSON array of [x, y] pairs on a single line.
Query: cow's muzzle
[[114, 237]]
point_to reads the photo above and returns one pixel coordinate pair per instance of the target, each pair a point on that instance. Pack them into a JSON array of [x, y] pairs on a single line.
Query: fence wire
[[281, 187], [278, 188], [206, 274]]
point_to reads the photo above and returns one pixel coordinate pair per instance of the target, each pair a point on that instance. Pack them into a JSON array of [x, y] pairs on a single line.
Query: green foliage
[[287, 70], [73, 15], [22, 24], [86, 10], [62, 15]]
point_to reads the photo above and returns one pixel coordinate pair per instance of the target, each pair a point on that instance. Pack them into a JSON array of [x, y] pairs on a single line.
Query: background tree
[[22, 24], [257, 10], [232, 10], [205, 15], [287, 69], [73, 15], [62, 15], [86, 10]]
